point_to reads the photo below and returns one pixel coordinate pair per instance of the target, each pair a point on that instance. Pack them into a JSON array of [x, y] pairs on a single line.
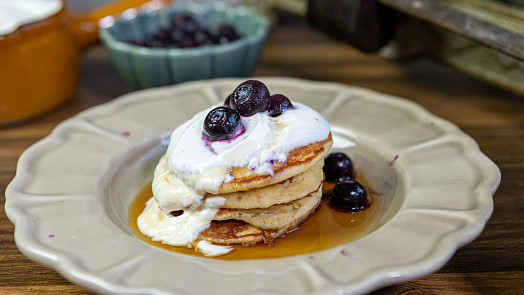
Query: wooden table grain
[[491, 264]]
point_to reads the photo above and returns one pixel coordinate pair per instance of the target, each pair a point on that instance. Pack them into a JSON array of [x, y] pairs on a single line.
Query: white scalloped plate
[[70, 197]]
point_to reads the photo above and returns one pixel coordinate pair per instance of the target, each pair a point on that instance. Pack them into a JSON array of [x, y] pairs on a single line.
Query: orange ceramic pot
[[40, 61]]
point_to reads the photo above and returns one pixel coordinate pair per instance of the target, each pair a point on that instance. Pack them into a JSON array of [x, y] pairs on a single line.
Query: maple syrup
[[327, 228]]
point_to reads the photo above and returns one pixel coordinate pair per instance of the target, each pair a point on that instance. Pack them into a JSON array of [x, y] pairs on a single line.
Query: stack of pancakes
[[262, 207]]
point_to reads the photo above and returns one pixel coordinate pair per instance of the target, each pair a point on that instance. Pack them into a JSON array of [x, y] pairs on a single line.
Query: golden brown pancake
[[298, 161], [283, 192], [276, 216], [234, 231]]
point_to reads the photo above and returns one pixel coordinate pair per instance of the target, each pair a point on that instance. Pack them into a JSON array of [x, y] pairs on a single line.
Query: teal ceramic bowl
[[144, 67]]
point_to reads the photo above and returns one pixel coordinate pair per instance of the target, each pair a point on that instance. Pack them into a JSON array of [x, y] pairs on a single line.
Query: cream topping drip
[[171, 193], [173, 230]]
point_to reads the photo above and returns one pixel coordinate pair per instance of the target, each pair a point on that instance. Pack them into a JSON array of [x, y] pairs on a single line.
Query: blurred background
[[483, 38]]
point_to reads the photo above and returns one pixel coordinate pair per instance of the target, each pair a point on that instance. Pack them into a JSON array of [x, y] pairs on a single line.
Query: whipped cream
[[209, 249], [173, 230], [265, 140], [171, 193], [15, 13]]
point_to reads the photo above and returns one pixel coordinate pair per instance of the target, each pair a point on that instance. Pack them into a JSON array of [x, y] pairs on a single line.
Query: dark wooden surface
[[492, 264]]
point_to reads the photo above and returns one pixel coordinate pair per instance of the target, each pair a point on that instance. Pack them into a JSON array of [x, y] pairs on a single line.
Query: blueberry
[[250, 97], [348, 195], [227, 33], [338, 166], [151, 41], [138, 43], [221, 123], [203, 37], [188, 24], [164, 36], [177, 35], [187, 42], [278, 104]]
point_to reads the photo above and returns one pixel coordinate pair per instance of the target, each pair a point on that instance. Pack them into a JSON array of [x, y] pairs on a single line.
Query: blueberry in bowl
[[186, 31], [183, 42]]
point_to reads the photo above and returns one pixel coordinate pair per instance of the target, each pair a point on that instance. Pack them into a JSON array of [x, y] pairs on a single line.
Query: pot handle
[[85, 28]]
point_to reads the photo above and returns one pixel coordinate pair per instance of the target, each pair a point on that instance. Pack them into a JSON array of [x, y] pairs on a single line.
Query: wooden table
[[492, 264]]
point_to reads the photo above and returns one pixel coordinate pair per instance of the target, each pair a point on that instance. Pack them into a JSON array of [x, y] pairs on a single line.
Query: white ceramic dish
[[70, 197]]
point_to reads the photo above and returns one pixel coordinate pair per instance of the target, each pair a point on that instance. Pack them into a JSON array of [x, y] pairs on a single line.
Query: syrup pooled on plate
[[327, 228]]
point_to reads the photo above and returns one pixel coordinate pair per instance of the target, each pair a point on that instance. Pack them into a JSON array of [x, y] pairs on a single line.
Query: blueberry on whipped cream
[[222, 123]]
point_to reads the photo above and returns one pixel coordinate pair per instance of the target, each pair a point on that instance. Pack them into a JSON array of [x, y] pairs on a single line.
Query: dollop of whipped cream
[[174, 230], [204, 166], [15, 13]]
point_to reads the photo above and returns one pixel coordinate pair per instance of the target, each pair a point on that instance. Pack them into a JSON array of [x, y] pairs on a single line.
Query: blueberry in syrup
[[338, 166], [221, 123], [348, 195], [250, 97], [278, 104]]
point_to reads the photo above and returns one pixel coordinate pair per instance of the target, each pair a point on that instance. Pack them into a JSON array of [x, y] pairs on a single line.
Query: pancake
[[298, 161], [233, 231], [283, 192], [238, 232], [276, 216]]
